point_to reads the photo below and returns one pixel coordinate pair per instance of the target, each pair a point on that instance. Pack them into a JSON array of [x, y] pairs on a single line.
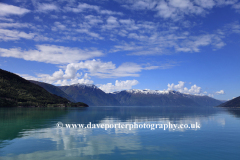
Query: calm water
[[31, 133]]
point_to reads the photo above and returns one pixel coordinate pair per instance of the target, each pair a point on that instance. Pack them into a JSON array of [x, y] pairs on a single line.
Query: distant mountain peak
[[89, 94], [148, 91]]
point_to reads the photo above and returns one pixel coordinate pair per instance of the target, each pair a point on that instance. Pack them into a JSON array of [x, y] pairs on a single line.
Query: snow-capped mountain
[[85, 86], [93, 96], [148, 91], [89, 94], [137, 97]]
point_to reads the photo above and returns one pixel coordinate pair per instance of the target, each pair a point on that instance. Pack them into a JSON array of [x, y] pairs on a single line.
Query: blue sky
[[191, 46]]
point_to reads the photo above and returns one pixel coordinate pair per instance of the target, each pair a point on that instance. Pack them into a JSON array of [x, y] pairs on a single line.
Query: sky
[[191, 46]]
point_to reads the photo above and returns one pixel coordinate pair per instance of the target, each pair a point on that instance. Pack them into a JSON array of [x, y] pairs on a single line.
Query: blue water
[[31, 133]]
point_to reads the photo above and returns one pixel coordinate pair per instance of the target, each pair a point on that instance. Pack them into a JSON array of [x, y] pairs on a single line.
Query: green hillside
[[234, 103]]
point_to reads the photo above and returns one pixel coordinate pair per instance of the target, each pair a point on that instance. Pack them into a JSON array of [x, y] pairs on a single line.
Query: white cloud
[[9, 35], [45, 7], [37, 18], [73, 81], [59, 78], [7, 10], [28, 77], [50, 53], [233, 27], [140, 5], [220, 92], [176, 9], [60, 26], [111, 23], [6, 19], [87, 7], [93, 68], [119, 85], [210, 95], [92, 34], [226, 2], [15, 25], [193, 44], [140, 37], [237, 7], [159, 43], [106, 69], [93, 19], [108, 12], [83, 6], [180, 87], [195, 90], [205, 3]]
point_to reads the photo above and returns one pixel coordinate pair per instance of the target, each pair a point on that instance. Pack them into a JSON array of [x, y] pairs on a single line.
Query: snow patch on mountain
[[148, 91], [85, 85]]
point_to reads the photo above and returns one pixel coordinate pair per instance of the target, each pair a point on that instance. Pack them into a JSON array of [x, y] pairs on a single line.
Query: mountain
[[234, 103], [53, 89], [16, 91], [204, 100], [89, 94], [223, 101], [136, 97]]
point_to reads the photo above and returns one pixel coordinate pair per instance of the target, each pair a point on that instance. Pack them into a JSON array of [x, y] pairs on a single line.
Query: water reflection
[[235, 112], [33, 134]]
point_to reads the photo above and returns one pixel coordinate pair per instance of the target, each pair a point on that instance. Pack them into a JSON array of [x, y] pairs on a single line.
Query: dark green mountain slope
[[53, 89], [89, 94], [234, 103], [16, 91]]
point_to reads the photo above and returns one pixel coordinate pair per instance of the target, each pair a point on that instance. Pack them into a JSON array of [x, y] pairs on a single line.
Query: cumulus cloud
[[119, 85], [220, 92], [59, 78], [7, 10], [106, 69], [71, 73], [195, 90], [50, 53], [180, 87]]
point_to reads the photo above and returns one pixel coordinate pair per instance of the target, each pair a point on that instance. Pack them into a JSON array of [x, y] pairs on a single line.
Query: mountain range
[[89, 94], [94, 96], [163, 98]]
